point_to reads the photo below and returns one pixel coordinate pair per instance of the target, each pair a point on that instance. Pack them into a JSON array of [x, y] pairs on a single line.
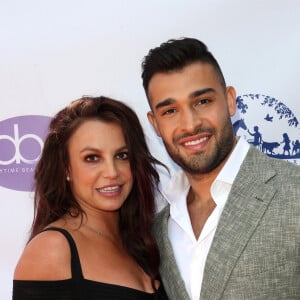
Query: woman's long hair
[[54, 198]]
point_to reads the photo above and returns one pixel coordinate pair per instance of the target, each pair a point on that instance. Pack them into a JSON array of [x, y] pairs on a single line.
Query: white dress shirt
[[191, 253]]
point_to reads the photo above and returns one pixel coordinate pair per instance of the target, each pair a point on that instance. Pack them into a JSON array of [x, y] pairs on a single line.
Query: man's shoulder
[[261, 160], [276, 173]]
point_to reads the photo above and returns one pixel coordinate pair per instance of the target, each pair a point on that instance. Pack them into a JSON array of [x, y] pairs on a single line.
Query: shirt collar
[[234, 162], [177, 189]]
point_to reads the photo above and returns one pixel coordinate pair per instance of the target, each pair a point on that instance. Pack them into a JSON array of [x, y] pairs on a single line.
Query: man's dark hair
[[174, 55]]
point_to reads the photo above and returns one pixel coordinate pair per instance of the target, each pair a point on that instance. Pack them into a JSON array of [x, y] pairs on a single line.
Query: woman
[[94, 205]]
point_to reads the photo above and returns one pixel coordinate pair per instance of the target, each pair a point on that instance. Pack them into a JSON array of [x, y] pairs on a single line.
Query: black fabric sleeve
[[69, 289]]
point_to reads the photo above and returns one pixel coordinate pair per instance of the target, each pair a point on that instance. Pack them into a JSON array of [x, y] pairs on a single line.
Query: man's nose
[[189, 120]]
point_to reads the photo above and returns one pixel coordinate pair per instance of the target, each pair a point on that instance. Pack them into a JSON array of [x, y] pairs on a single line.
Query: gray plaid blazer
[[255, 253]]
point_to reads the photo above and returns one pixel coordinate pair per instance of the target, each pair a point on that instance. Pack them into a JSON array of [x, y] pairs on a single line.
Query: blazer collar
[[248, 199]]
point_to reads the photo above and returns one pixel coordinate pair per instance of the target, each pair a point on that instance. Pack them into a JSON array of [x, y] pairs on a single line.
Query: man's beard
[[203, 162]]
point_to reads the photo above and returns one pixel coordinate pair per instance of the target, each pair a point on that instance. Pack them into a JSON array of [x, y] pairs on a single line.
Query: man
[[232, 226]]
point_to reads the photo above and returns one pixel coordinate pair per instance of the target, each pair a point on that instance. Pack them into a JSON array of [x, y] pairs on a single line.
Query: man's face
[[191, 113]]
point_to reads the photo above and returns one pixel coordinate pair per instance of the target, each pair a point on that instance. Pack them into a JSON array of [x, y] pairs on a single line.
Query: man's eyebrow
[[201, 92], [165, 102], [194, 94]]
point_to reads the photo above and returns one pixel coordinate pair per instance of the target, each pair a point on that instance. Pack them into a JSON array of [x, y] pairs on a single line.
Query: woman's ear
[[68, 178]]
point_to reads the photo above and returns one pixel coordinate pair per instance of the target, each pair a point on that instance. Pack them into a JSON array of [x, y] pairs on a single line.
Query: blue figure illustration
[[296, 147], [257, 138], [286, 141], [239, 124]]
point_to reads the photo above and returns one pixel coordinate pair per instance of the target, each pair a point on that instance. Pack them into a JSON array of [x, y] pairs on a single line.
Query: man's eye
[[169, 111], [203, 101], [123, 156], [91, 158]]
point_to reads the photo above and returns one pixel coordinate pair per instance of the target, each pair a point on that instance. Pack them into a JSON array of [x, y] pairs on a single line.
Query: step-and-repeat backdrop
[[52, 52]]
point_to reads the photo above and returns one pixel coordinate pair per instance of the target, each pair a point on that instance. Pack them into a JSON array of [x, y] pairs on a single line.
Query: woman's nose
[[110, 169]]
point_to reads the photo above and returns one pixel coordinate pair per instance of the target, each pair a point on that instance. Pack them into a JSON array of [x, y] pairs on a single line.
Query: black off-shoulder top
[[77, 287]]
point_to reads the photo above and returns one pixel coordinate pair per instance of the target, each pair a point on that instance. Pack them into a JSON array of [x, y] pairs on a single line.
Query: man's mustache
[[198, 130]]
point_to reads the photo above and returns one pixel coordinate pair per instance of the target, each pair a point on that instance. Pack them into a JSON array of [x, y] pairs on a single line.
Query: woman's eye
[[91, 158], [123, 155]]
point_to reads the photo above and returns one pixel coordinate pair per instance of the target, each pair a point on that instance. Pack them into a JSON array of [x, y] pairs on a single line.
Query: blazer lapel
[[173, 283], [249, 197]]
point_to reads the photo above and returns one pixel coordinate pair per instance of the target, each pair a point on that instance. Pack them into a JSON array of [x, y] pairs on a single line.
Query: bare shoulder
[[46, 257]]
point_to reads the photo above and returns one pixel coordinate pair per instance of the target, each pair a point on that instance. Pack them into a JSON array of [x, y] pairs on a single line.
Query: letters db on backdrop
[[21, 144]]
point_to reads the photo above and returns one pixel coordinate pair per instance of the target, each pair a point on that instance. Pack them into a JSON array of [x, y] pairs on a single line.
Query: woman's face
[[99, 170]]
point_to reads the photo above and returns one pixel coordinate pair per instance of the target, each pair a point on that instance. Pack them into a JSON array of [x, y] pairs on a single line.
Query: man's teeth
[[195, 142], [110, 189]]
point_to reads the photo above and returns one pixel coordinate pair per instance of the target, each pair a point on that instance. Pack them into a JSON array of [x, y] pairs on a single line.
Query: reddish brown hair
[[53, 196]]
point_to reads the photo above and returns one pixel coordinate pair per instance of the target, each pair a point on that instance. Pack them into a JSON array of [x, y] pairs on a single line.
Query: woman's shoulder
[[45, 257]]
